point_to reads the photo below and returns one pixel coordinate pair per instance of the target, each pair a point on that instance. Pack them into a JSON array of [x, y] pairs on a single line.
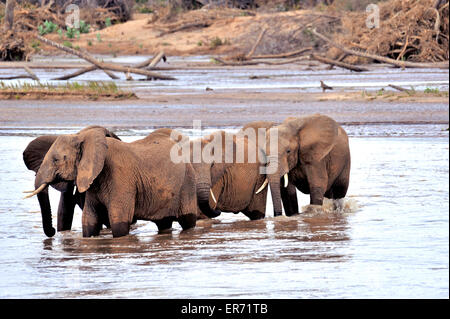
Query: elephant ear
[[105, 131], [93, 148], [35, 152], [317, 136]]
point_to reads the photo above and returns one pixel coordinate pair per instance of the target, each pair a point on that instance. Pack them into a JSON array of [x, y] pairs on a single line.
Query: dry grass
[[91, 91]]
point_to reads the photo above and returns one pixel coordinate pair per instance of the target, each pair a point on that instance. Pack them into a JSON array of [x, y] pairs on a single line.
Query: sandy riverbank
[[216, 110]]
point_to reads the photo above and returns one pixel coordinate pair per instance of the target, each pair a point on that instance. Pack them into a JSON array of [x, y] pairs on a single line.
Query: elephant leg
[[254, 214], [102, 213], [340, 185], [318, 181], [66, 209], [90, 221], [187, 221], [164, 224], [121, 215], [289, 198]]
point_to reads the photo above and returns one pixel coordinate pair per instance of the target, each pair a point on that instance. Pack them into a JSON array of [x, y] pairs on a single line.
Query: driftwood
[[16, 77], [401, 64], [151, 62], [31, 73], [186, 26], [282, 55], [252, 51], [78, 73], [105, 65], [338, 63], [155, 60], [240, 63], [222, 62], [399, 88]]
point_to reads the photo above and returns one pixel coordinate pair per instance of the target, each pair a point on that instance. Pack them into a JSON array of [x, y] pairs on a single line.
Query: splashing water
[[333, 206]]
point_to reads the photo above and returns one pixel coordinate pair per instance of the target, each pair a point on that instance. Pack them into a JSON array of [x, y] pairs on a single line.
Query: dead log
[[31, 73], [401, 64], [226, 63], [154, 62], [186, 26], [282, 55], [16, 77], [338, 63], [241, 63], [252, 51], [75, 74], [399, 88], [104, 65]]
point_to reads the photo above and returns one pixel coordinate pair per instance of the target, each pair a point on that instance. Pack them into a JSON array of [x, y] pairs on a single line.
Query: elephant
[[314, 157], [122, 180], [33, 156], [227, 183]]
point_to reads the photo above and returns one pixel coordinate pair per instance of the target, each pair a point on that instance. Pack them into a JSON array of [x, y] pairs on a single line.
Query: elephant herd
[[167, 177]]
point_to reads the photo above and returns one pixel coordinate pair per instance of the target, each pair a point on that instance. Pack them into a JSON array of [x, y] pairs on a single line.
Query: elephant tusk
[[35, 192], [266, 181], [212, 195], [286, 181]]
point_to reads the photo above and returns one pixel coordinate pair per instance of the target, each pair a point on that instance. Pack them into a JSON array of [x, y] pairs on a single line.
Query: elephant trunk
[[274, 182], [203, 191], [44, 203]]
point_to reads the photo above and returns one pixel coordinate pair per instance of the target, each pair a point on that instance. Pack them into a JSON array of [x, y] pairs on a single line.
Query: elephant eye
[[288, 151]]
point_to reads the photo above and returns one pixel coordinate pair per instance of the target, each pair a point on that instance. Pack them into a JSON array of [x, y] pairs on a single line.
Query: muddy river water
[[391, 239]]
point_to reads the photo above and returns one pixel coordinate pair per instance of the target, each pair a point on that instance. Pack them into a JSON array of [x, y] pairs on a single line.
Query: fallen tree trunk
[[75, 74], [282, 55], [104, 65], [401, 64], [252, 51], [240, 63], [338, 63], [153, 61], [186, 26], [31, 73], [16, 77], [399, 88]]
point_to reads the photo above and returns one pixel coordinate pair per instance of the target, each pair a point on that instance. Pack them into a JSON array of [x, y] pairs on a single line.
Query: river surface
[[389, 240], [261, 78]]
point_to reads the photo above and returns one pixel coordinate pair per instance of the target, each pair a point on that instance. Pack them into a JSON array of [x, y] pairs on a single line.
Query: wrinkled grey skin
[[33, 156], [124, 181], [233, 184], [314, 152]]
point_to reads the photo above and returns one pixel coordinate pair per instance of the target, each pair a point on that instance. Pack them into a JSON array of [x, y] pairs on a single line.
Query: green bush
[[215, 42], [84, 27], [47, 27]]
